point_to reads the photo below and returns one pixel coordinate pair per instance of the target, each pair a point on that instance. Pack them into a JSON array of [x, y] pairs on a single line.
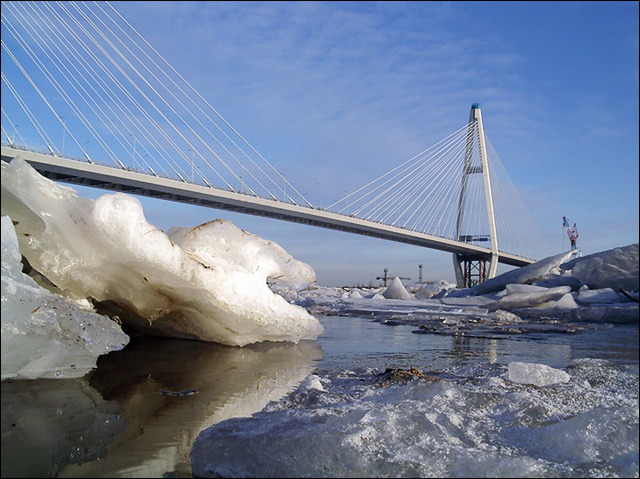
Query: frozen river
[[140, 412]]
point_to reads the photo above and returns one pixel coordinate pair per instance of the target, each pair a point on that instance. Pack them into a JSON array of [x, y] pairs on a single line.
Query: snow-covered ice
[[526, 274], [545, 294], [207, 282], [484, 420], [512, 301], [616, 268], [396, 290]]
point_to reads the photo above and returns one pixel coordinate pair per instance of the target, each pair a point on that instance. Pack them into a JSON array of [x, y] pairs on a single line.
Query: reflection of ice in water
[[156, 430], [470, 421], [50, 423]]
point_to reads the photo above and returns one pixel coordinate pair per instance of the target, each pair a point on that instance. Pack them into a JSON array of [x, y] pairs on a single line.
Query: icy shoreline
[[217, 283], [547, 299]]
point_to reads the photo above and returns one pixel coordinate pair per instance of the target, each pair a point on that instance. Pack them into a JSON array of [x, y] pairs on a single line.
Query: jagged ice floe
[[45, 335], [536, 374], [207, 282]]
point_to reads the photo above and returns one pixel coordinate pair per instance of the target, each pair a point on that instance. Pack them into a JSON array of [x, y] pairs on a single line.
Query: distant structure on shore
[[385, 276]]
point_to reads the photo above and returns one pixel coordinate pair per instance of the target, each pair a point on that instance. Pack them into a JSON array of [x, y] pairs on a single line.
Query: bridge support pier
[[472, 270]]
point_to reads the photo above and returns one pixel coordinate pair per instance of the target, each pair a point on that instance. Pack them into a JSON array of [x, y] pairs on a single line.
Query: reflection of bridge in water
[[81, 71]]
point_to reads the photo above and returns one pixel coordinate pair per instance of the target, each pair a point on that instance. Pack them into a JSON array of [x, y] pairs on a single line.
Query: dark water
[[350, 342], [138, 414]]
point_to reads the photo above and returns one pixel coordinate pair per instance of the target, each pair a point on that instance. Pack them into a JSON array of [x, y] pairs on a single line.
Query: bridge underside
[[131, 182]]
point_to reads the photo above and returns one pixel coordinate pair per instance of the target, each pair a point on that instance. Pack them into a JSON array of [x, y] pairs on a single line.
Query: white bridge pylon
[[463, 264]]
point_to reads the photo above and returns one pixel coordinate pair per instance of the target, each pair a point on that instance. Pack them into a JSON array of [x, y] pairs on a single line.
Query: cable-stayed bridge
[[124, 119]]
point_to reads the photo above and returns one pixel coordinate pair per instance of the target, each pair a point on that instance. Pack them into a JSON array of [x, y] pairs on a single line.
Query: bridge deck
[[99, 176]]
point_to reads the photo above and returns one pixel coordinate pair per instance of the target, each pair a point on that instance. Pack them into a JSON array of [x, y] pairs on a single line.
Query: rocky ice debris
[[43, 334], [536, 374]]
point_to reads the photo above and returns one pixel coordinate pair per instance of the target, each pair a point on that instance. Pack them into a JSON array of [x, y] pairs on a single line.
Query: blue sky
[[334, 94]]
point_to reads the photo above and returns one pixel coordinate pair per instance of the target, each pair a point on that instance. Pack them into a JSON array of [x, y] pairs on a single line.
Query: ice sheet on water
[[466, 421], [553, 280], [45, 335], [616, 268], [542, 294], [470, 301], [528, 299], [603, 295], [566, 302], [521, 288], [611, 313]]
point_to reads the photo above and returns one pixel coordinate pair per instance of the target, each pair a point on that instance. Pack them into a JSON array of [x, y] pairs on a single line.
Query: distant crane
[[385, 277], [572, 232]]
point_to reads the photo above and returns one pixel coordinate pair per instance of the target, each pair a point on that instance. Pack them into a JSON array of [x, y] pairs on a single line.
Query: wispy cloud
[[337, 93]]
